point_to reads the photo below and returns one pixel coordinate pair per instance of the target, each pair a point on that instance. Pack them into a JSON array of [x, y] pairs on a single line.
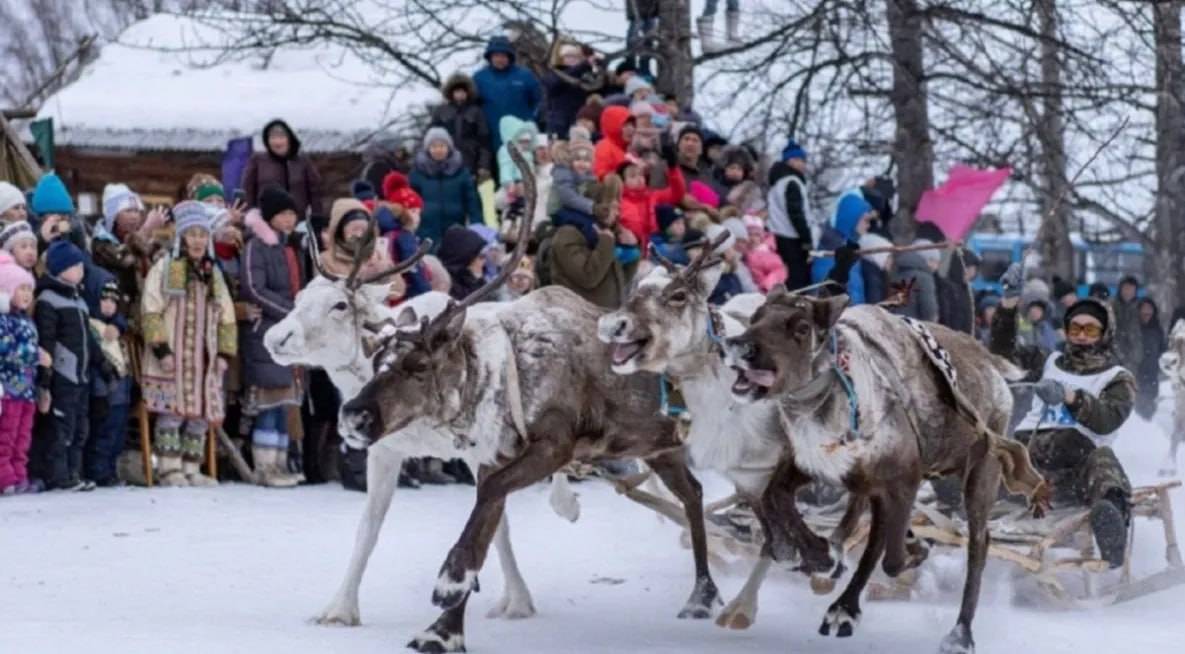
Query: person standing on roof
[[506, 89], [282, 164]]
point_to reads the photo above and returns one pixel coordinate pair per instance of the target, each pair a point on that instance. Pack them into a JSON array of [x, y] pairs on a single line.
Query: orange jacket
[[610, 151]]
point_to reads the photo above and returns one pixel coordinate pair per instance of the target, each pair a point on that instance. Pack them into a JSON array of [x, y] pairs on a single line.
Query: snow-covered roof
[[160, 86]]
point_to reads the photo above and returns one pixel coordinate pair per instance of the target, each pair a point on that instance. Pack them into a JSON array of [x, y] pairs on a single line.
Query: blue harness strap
[[665, 402], [849, 389]]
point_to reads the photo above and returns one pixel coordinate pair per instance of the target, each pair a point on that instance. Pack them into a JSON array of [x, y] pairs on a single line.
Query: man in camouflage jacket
[[1081, 398]]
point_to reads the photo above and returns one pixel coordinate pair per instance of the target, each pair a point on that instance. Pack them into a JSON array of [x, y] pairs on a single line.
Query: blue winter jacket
[[848, 212], [510, 92], [449, 193]]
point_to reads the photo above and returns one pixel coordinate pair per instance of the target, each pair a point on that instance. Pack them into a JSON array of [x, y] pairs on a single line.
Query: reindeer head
[[665, 316], [1170, 361], [784, 346], [332, 315], [424, 372]]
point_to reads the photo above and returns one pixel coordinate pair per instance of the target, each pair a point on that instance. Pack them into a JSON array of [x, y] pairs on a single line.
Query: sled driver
[[1081, 396]]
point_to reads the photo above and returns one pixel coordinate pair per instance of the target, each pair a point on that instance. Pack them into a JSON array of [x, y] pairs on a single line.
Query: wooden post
[[212, 452], [22, 152], [145, 442]]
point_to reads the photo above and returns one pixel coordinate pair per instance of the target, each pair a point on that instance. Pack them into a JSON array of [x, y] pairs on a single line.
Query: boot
[[707, 34], [267, 468], [1108, 522], [168, 471], [193, 474], [732, 22]]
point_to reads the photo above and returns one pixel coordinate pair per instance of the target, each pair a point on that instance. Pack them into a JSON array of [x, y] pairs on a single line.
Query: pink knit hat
[[12, 276], [704, 194]]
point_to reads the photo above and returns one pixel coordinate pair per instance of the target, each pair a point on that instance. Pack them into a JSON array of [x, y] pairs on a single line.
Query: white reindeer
[[1171, 365], [667, 327], [326, 329]]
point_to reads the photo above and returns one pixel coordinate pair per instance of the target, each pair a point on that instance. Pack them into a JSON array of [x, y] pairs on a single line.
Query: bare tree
[[912, 148]]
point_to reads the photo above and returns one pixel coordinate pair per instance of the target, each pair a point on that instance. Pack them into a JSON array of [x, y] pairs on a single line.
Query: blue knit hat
[[363, 190], [62, 254], [793, 151], [51, 196]]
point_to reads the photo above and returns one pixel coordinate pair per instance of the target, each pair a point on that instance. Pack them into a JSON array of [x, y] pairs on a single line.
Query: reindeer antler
[[393, 269], [520, 250], [314, 240], [665, 262], [706, 257]]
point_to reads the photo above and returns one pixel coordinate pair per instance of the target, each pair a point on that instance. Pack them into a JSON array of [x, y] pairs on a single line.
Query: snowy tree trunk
[[1166, 263], [1053, 238], [676, 73], [913, 150]]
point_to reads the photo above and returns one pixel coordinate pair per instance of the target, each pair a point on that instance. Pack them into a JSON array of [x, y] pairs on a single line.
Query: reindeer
[[666, 327], [328, 327], [877, 402], [1171, 366], [526, 391]]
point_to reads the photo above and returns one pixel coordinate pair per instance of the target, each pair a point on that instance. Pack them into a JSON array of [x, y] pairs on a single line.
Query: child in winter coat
[[12, 204], [638, 200], [18, 240], [18, 371], [762, 258], [668, 242], [63, 328], [272, 276], [406, 206], [111, 387], [572, 179], [188, 321], [851, 220]]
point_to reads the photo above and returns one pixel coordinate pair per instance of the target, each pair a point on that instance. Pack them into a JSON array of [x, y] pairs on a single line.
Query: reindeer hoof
[[512, 608], [736, 616], [703, 599], [841, 620], [958, 641], [431, 642], [450, 591], [822, 585], [329, 620], [339, 614]]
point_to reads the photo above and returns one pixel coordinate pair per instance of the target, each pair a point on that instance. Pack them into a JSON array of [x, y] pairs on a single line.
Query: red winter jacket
[[637, 205], [610, 150]]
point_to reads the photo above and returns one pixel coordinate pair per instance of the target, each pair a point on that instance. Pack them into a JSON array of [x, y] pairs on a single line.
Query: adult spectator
[[790, 213], [584, 256], [281, 164], [571, 78], [690, 151], [921, 269], [1128, 347], [1152, 339], [506, 88], [1064, 297], [461, 116], [440, 178]]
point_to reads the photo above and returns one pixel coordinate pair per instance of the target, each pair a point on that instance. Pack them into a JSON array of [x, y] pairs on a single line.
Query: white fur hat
[[870, 241]]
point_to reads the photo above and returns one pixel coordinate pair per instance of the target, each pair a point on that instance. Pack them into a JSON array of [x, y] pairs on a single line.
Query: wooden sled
[[1058, 548], [1050, 552]]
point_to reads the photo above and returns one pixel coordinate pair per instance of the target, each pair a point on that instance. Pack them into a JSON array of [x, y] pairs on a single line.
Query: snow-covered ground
[[242, 569]]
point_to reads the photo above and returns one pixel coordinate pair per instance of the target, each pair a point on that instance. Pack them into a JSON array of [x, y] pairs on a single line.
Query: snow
[[162, 75], [242, 569]]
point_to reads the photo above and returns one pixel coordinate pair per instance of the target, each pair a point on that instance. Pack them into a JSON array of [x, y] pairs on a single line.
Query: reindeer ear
[[708, 278], [407, 318], [828, 310], [776, 293], [451, 331]]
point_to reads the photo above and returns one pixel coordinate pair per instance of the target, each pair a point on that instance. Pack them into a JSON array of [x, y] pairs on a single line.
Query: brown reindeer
[[876, 403], [527, 388]]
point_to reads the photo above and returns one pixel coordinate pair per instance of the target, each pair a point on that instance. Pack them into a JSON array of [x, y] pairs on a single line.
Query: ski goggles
[[1076, 330]]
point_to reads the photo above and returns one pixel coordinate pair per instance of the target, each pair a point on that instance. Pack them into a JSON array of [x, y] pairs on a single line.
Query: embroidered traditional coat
[[196, 320]]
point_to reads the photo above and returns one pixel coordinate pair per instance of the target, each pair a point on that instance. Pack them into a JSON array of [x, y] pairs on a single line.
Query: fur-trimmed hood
[[459, 80], [259, 227]]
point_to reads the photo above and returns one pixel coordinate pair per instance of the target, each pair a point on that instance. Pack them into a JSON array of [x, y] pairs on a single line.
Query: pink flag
[[955, 205]]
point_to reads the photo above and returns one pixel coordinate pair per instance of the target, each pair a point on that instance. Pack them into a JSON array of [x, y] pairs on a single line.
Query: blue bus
[[1093, 262]]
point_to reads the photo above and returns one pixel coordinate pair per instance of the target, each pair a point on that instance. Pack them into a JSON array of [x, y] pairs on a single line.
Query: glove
[[845, 258], [1051, 392], [670, 155], [1012, 280]]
